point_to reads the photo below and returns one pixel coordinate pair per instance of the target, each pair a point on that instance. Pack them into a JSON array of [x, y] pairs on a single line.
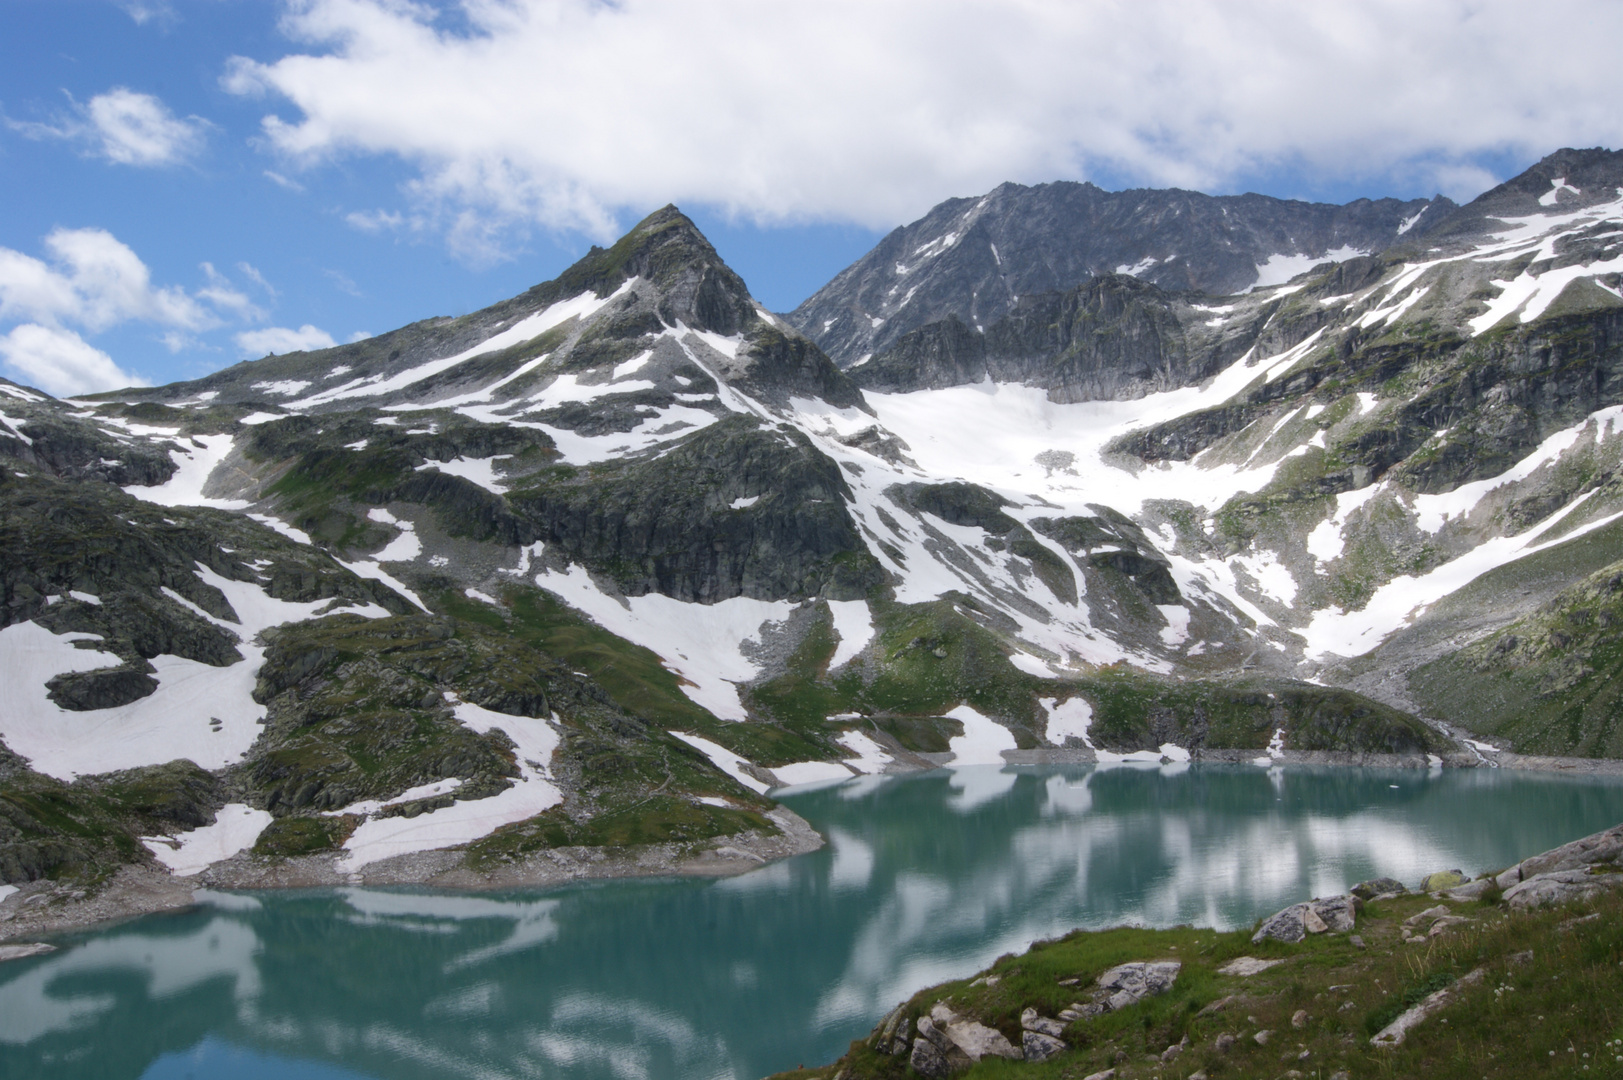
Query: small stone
[[1224, 1041], [1304, 1055], [1299, 1019], [1107, 1074], [1245, 966], [1217, 1006], [1032, 1020], [1357, 941], [1201, 1075], [1342, 1075], [1040, 1047], [1311, 922], [1261, 1038]]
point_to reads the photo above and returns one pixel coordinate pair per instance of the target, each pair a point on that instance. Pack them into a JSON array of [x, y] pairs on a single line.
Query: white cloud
[[373, 221], [126, 127], [282, 339], [60, 362], [96, 282], [566, 112], [252, 273], [282, 181], [138, 129], [227, 297]]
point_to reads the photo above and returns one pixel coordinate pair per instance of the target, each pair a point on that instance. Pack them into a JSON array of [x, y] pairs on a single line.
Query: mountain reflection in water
[[926, 877]]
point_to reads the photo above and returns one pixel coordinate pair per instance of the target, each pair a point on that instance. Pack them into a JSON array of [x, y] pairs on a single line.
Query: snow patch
[[236, 827], [197, 460], [481, 471], [983, 740], [725, 760], [1280, 268], [699, 642], [853, 623], [1067, 719]]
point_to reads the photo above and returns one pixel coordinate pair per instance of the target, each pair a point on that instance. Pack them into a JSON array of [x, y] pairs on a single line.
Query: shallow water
[[927, 877]]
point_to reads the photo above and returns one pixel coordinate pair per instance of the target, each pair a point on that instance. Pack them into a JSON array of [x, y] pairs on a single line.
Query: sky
[[187, 184]]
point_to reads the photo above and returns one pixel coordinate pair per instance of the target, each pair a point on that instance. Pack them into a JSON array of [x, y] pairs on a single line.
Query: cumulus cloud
[[567, 112], [94, 281], [60, 362], [282, 339], [91, 281], [126, 127]]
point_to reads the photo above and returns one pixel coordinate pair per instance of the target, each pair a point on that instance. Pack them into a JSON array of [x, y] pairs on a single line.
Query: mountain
[[975, 259], [566, 585]]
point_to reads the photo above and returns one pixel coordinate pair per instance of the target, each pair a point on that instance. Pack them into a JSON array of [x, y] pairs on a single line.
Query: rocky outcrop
[[669, 525]]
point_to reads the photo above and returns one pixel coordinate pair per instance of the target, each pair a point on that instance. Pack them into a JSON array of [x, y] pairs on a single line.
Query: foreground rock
[[1335, 914]]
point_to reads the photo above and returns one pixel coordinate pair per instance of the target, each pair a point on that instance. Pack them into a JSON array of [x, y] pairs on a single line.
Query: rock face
[[1111, 338], [975, 259]]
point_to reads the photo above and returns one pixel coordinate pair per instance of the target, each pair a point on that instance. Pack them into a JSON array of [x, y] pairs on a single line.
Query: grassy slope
[[1551, 1016]]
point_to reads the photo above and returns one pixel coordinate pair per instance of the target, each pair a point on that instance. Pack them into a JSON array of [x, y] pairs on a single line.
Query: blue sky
[[188, 183]]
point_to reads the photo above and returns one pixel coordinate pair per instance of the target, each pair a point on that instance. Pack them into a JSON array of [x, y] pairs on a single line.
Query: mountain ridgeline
[[1056, 473]]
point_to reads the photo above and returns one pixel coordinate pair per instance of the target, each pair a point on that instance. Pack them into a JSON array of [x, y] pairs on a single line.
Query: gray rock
[[928, 1060], [1038, 1046], [1317, 916], [1367, 890], [1131, 983], [19, 952], [1560, 887], [1602, 848], [1261, 1038], [973, 1038], [1224, 1042], [1287, 926], [1032, 1020], [1338, 913], [934, 1054]]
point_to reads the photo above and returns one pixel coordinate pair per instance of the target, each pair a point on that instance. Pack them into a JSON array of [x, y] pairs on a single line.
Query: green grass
[[1551, 1014]]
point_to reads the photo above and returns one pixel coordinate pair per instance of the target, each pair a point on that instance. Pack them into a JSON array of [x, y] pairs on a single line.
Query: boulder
[[1597, 849], [1338, 913], [1040, 1047], [1442, 879], [934, 1054], [1383, 886], [1287, 926], [1317, 916], [1560, 887], [975, 1039], [1128, 984]]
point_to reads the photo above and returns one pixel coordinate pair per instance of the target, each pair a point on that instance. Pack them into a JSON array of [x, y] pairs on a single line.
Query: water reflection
[[925, 877]]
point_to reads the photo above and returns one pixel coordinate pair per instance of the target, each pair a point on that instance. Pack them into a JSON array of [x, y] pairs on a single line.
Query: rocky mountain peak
[[669, 252], [975, 259]]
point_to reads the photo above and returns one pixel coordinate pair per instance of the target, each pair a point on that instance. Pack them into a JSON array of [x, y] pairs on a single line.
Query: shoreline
[[43, 908]]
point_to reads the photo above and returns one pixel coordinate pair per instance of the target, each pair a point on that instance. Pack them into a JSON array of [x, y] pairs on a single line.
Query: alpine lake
[[926, 877]]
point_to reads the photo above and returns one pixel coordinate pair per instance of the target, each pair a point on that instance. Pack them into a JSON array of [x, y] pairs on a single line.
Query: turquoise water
[[927, 877]]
